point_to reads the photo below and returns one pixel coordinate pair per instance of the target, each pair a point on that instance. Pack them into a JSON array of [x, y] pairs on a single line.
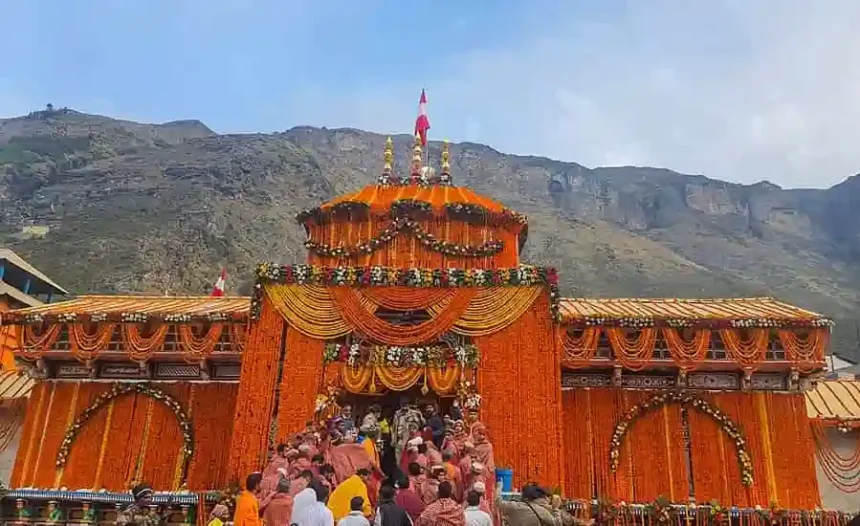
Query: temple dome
[[419, 221]]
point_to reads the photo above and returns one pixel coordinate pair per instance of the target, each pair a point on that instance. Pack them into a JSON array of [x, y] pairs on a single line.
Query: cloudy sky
[[742, 90]]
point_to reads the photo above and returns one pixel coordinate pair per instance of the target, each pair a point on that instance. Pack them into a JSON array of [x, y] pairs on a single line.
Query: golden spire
[[416, 157], [446, 158], [387, 156]]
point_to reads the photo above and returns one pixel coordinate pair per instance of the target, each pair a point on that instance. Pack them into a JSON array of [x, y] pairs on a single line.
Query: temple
[[414, 286]]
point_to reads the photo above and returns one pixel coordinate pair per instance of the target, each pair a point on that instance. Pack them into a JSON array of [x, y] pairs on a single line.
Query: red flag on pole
[[422, 123], [220, 285]]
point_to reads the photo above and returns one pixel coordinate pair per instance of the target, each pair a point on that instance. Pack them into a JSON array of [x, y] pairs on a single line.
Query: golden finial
[[446, 158], [388, 156], [416, 156]]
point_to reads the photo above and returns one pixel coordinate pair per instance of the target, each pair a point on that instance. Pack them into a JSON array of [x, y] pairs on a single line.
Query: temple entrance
[[390, 402]]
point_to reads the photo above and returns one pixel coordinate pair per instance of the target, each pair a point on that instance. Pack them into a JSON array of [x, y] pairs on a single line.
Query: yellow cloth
[[216, 522], [384, 427], [369, 445], [247, 510], [338, 501]]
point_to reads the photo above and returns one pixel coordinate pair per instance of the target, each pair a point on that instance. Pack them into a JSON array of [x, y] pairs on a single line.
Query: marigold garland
[[419, 209], [688, 400], [842, 471], [86, 346], [402, 226], [116, 391], [634, 348]]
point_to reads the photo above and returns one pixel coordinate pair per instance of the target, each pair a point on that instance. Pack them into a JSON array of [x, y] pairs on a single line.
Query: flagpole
[[427, 134]]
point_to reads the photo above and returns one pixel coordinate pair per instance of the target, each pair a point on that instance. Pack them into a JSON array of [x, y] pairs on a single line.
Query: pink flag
[[220, 285], [422, 123]]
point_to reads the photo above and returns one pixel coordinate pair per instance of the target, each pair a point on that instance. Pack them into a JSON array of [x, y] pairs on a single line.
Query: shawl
[[346, 459], [443, 512], [279, 510], [430, 490], [409, 500]]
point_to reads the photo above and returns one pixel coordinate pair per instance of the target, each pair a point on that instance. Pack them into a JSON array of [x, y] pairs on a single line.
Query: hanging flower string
[[522, 276], [401, 226], [416, 209], [355, 354], [116, 391], [726, 424]]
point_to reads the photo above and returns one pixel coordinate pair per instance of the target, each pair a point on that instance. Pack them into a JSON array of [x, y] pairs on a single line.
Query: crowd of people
[[392, 468], [405, 468]]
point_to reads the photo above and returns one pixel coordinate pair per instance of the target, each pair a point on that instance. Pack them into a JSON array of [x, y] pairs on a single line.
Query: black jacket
[[393, 515]]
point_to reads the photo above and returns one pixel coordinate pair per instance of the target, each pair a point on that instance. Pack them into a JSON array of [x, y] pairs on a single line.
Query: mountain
[[105, 205]]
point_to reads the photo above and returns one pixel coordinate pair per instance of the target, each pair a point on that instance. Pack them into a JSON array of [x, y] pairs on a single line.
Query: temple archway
[[687, 400], [119, 391]]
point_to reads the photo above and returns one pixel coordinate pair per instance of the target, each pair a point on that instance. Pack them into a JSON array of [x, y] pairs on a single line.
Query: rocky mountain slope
[[115, 206]]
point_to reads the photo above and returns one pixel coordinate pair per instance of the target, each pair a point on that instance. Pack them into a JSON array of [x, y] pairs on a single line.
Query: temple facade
[[415, 286]]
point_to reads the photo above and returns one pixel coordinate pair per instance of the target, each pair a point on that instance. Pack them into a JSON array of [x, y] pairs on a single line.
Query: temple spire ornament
[[416, 159], [387, 161], [445, 174]]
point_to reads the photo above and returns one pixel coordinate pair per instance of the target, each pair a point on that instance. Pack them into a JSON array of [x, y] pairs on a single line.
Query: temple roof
[[17, 261], [735, 312], [176, 309], [834, 400]]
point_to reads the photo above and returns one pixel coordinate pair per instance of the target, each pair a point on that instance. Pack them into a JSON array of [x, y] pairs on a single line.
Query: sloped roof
[[132, 308], [717, 310], [834, 400], [14, 384], [17, 295], [18, 261]]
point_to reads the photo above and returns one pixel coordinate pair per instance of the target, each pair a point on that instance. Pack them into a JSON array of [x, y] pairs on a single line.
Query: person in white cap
[[475, 516]]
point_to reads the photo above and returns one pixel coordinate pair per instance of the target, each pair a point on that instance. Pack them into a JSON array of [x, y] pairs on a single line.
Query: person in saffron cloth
[[279, 509], [484, 454], [247, 507], [354, 486], [369, 445], [452, 473], [444, 511]]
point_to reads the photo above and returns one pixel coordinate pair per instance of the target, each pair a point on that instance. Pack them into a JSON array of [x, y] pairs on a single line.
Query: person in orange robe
[[280, 507], [247, 506], [484, 453], [452, 473]]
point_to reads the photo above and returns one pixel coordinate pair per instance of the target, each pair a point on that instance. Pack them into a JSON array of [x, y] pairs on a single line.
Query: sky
[[740, 90]]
